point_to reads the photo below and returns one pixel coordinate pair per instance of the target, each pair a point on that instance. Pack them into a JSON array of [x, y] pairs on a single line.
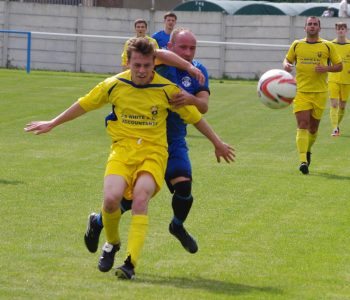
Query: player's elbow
[[204, 109], [337, 68], [340, 68], [202, 104]]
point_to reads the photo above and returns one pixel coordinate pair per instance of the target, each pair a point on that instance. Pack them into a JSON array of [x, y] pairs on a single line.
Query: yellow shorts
[[316, 102], [339, 91], [130, 157]]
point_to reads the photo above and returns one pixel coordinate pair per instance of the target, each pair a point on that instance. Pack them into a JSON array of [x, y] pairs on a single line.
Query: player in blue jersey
[[178, 175], [163, 36], [179, 172]]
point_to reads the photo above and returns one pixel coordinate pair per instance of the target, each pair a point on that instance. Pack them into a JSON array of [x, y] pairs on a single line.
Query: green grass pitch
[[264, 230]]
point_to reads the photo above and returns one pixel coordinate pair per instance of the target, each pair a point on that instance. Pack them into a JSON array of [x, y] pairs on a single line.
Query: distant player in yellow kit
[[137, 161], [311, 57], [339, 83], [140, 26]]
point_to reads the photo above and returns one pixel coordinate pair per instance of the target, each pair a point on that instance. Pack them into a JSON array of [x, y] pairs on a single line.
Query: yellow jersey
[[306, 56], [125, 56], [343, 50], [141, 111]]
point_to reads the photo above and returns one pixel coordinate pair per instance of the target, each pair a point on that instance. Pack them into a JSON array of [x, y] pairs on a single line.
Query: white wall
[[103, 55]]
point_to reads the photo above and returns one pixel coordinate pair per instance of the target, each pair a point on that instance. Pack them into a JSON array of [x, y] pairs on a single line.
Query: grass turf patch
[[264, 230]]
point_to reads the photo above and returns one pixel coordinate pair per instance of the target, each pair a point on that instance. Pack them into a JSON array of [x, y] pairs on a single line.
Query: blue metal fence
[[29, 43]]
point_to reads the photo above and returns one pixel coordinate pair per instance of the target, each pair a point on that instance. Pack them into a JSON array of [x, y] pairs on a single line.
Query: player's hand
[[181, 99], [225, 151], [288, 67], [321, 69], [196, 73], [38, 127]]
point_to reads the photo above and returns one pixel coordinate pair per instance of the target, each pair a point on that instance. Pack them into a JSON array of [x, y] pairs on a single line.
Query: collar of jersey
[[127, 81]]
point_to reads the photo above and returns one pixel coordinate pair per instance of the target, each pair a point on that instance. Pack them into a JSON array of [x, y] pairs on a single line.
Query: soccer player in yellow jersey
[[339, 83], [137, 161], [140, 26], [311, 57]]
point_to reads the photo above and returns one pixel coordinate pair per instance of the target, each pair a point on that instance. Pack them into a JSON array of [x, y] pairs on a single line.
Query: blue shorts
[[179, 163]]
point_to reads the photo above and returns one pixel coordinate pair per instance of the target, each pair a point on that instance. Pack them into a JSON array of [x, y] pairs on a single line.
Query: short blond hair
[[140, 45]]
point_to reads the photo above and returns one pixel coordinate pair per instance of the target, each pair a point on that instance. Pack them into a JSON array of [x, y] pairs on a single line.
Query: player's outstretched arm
[[171, 59], [221, 149], [39, 127]]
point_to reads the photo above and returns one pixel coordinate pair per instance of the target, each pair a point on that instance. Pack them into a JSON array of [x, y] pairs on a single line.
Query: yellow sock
[[111, 225], [302, 140], [334, 116], [341, 112], [312, 139], [137, 234]]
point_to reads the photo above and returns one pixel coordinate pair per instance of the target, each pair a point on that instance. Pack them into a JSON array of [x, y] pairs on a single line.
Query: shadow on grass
[[210, 285], [10, 182], [331, 176]]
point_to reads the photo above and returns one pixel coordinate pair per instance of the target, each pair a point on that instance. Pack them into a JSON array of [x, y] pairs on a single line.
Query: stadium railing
[[61, 2]]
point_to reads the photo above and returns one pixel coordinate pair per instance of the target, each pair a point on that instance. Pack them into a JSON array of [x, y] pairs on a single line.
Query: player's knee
[[109, 206], [111, 201], [303, 125], [140, 201], [139, 207], [183, 188]]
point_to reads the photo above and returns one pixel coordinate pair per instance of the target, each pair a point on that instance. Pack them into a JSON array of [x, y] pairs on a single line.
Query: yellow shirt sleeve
[[291, 53], [153, 41], [334, 55], [124, 55], [188, 113], [98, 96]]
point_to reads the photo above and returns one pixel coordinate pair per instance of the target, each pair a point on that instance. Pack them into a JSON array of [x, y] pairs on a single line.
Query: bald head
[[181, 32], [183, 42]]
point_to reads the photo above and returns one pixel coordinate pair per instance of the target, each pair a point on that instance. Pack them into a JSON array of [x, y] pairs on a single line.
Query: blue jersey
[[179, 164], [162, 39], [176, 128]]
